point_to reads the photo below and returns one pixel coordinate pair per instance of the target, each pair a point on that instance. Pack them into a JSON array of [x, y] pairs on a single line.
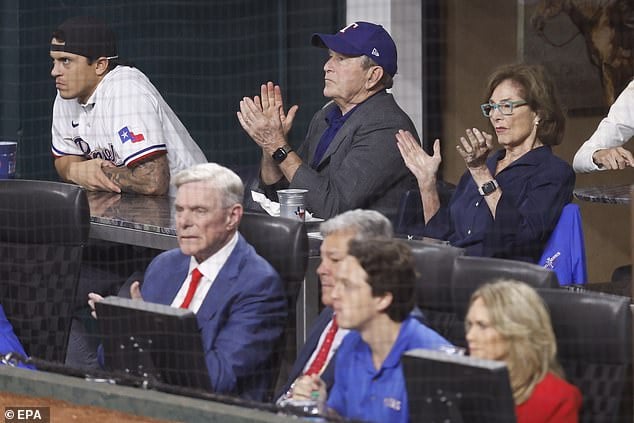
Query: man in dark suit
[[237, 296], [336, 233], [349, 158]]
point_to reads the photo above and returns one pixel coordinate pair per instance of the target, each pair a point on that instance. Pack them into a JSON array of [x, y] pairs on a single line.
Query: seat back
[[565, 251], [594, 340], [471, 272], [409, 219], [284, 244], [43, 229], [434, 265], [250, 175]]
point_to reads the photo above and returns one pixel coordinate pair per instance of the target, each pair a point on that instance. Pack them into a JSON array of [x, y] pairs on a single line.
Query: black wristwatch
[[488, 187], [281, 153]]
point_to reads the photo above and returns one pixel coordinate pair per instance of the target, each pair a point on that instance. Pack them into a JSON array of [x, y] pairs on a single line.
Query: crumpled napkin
[[273, 208]]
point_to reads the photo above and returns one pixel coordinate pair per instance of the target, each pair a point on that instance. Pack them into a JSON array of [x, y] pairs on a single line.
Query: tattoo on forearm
[[149, 177]]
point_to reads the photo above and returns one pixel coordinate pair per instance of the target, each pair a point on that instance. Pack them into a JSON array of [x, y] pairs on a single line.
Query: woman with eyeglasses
[[508, 201], [508, 321]]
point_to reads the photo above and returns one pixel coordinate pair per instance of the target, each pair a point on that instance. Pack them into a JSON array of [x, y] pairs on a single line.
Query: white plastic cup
[[8, 156], [292, 203]]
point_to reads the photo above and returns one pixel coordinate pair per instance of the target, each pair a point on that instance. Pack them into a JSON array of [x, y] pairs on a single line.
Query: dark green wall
[[203, 56]]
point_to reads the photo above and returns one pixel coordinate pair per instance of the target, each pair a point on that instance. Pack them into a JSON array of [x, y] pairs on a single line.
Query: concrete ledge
[[128, 399]]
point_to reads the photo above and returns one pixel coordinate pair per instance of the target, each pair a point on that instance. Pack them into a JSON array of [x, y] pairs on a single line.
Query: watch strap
[[281, 153], [488, 187]]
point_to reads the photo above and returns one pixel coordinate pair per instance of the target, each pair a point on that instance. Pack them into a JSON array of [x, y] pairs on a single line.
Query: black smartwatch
[[281, 154], [488, 187]]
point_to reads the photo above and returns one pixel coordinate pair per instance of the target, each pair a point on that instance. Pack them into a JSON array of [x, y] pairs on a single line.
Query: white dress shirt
[[614, 130], [341, 333], [209, 269]]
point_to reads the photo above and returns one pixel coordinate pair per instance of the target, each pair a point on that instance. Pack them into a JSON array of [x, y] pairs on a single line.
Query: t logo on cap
[[352, 25]]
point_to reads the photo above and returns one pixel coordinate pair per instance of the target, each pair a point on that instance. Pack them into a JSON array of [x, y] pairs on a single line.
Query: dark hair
[[538, 90], [389, 265], [87, 36]]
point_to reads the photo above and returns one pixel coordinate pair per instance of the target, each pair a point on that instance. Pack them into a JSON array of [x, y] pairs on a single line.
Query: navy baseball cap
[[87, 36], [362, 39]]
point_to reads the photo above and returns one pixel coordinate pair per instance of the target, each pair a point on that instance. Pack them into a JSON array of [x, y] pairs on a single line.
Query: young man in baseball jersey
[[112, 130]]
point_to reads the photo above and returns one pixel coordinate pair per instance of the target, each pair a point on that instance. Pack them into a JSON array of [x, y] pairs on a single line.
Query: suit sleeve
[[302, 151], [307, 350], [247, 334], [370, 167]]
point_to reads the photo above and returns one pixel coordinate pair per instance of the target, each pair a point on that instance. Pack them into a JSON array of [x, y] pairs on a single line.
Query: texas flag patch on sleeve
[[126, 135]]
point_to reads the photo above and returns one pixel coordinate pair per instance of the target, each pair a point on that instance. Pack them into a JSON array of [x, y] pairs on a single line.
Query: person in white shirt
[[604, 148], [112, 130]]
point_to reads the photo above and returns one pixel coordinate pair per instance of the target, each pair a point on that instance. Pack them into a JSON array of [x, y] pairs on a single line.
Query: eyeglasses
[[505, 106]]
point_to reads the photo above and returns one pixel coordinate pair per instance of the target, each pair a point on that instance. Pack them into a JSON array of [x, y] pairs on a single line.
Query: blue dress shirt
[[335, 121], [364, 393], [535, 188]]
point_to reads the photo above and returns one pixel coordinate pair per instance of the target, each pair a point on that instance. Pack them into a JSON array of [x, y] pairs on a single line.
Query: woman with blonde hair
[[508, 321]]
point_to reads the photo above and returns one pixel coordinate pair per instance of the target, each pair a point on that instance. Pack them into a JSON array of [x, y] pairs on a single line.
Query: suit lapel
[[222, 286], [341, 135], [313, 338], [178, 274], [345, 130]]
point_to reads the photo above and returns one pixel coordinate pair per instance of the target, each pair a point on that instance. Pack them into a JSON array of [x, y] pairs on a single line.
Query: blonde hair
[[519, 314]]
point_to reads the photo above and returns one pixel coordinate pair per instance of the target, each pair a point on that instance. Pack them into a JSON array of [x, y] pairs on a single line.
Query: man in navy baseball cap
[[348, 159], [362, 39]]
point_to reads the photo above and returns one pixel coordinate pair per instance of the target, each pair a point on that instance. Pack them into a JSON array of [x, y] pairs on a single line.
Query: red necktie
[[193, 284], [322, 355]]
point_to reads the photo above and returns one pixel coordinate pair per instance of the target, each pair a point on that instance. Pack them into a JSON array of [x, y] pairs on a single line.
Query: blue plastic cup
[[8, 154]]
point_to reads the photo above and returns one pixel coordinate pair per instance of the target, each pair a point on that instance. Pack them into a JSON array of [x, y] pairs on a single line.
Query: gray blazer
[[362, 167]]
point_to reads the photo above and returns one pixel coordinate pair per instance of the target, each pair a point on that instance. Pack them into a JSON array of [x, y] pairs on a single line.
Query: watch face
[[488, 188], [279, 155]]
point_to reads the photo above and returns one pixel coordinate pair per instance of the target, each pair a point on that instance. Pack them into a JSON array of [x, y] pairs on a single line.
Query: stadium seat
[[471, 272], [284, 244], [594, 340], [43, 229], [434, 265]]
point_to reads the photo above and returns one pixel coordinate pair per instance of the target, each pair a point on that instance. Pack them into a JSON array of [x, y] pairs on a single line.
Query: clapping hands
[[264, 118], [422, 165], [475, 148]]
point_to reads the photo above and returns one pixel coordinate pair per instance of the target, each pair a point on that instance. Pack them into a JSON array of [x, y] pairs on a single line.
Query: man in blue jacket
[[237, 296]]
